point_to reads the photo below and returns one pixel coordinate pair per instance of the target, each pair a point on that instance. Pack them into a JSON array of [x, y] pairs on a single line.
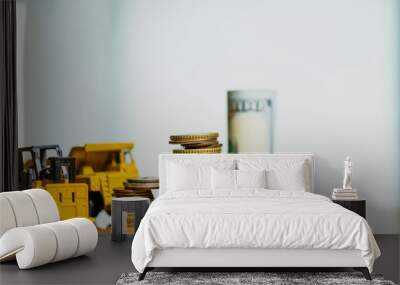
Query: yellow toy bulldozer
[[103, 167], [56, 174]]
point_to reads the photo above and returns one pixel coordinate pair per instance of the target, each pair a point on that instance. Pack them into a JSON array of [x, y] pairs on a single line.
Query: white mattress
[[250, 219]]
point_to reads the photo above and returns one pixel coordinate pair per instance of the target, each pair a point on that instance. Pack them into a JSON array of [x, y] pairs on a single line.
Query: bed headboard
[[167, 157]]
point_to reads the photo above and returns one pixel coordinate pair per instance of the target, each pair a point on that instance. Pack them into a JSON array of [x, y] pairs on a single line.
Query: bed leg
[[364, 271], [143, 274], [366, 274]]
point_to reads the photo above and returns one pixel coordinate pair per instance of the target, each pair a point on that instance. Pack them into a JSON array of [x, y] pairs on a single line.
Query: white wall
[[333, 64], [67, 81]]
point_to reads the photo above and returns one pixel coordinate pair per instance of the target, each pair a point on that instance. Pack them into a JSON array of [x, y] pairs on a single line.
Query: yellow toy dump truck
[[103, 167], [44, 167]]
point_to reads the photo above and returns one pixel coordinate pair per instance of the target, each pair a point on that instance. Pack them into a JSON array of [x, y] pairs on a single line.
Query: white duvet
[[250, 219]]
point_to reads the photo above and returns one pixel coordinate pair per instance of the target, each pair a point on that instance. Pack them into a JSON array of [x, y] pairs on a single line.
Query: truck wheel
[[96, 203]]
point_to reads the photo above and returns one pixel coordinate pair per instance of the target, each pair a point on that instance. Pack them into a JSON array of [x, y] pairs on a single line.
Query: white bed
[[249, 227]]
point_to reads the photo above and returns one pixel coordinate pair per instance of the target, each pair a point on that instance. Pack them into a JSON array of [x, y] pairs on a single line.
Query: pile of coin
[[196, 143], [140, 186]]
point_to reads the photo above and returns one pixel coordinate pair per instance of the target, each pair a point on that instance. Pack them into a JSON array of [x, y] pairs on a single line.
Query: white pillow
[[223, 179], [251, 178], [184, 177], [288, 174], [287, 179], [182, 173], [236, 179]]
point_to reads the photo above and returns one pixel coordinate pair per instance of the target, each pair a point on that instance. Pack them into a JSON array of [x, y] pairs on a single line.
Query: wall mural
[[251, 121]]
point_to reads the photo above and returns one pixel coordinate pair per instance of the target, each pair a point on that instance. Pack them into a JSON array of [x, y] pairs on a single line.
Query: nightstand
[[357, 206], [120, 207]]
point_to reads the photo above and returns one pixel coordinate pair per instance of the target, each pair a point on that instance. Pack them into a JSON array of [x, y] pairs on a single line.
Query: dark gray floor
[[110, 260], [389, 262], [103, 266]]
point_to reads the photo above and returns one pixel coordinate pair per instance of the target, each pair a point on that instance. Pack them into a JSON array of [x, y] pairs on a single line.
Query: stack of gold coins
[[196, 143], [140, 186]]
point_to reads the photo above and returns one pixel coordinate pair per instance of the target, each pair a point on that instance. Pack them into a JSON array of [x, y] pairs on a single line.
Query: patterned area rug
[[229, 278]]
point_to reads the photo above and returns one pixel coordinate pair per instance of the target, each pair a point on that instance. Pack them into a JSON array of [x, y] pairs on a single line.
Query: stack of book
[[344, 194]]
